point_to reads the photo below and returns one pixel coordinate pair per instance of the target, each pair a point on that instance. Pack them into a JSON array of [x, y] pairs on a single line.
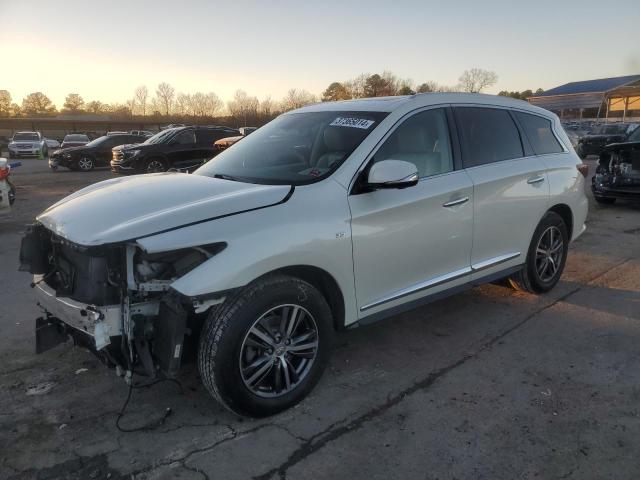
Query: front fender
[[312, 228]]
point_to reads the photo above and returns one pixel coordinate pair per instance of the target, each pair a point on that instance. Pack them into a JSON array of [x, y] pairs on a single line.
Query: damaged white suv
[[331, 216]]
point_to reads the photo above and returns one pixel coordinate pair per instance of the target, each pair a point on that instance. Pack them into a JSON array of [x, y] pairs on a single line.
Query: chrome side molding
[[439, 280]]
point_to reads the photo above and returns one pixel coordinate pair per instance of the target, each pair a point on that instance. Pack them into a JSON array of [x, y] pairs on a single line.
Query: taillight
[[583, 169]]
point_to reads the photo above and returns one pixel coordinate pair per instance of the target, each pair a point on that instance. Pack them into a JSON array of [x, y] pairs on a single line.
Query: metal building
[[608, 98]]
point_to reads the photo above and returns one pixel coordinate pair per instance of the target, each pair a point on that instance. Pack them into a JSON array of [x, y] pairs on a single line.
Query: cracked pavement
[[486, 384]]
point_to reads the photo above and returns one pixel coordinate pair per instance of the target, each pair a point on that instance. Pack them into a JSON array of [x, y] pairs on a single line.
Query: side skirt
[[390, 312]]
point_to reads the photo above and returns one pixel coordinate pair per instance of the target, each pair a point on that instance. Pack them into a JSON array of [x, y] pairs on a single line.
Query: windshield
[[160, 137], [635, 136], [30, 137], [295, 148], [76, 138], [97, 141]]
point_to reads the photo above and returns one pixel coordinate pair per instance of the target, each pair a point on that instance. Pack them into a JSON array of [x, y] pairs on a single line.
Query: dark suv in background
[[593, 143], [180, 148], [96, 153]]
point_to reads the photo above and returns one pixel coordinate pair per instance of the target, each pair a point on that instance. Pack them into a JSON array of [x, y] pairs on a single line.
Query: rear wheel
[[85, 164], [546, 256], [266, 347]]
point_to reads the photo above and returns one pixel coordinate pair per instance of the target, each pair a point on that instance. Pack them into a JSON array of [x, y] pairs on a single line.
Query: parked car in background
[[27, 144], [224, 143], [593, 143], [178, 148], [173, 125], [74, 140], [144, 133], [52, 143], [618, 171], [96, 153], [117, 132], [335, 215]]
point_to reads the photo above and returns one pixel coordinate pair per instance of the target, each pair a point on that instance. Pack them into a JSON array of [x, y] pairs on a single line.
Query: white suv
[[331, 216]]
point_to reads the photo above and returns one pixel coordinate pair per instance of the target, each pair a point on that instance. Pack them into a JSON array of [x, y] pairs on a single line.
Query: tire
[[605, 200], [530, 279], [155, 165], [85, 164], [229, 354], [12, 193]]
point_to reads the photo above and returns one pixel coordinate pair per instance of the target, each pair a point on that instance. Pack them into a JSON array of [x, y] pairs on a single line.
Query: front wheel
[[546, 256], [155, 165], [265, 348]]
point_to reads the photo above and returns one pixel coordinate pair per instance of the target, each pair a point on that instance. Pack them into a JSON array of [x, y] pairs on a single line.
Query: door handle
[[535, 180], [458, 201]]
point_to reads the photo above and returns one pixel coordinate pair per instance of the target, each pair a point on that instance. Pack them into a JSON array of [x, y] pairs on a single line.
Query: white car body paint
[[383, 249]]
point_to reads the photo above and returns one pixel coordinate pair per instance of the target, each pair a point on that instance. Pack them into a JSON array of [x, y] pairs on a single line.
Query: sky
[[104, 49]]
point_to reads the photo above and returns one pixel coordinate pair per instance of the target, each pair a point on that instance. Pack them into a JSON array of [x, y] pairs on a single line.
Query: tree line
[[245, 109]]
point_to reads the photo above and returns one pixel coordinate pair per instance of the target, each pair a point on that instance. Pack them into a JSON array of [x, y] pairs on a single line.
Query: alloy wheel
[[549, 253], [278, 351], [155, 166], [85, 163]]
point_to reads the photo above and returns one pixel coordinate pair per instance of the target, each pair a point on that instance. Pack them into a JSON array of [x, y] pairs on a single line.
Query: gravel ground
[[487, 384]]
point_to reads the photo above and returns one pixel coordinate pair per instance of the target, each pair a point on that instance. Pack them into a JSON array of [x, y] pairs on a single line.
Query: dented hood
[[127, 208]]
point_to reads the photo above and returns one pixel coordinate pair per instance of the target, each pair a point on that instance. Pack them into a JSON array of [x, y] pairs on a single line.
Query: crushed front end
[[114, 299], [618, 172]]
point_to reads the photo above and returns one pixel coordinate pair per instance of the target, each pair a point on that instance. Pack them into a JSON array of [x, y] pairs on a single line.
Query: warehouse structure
[[616, 98]]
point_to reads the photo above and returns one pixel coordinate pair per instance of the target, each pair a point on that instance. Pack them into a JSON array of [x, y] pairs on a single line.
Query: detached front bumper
[[603, 187], [98, 323]]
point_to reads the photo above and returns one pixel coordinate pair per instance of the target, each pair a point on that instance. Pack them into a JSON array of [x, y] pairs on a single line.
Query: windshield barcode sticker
[[352, 122]]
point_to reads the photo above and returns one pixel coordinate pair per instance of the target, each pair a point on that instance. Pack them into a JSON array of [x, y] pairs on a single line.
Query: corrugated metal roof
[[590, 86]]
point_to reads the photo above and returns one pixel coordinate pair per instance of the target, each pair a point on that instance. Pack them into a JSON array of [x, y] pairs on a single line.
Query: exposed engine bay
[[617, 169], [115, 299]]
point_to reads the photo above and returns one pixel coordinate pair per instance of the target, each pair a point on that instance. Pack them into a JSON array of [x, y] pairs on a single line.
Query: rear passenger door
[[510, 187], [183, 151]]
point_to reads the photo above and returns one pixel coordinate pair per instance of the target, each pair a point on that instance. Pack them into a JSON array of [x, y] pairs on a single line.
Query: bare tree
[[266, 107], [356, 86], [165, 94], [476, 80], [243, 108], [297, 98], [140, 95], [183, 104], [212, 104], [5, 103]]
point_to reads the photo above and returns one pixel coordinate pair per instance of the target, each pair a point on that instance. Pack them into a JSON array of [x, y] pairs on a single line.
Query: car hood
[[128, 208], [622, 145], [71, 149], [129, 146]]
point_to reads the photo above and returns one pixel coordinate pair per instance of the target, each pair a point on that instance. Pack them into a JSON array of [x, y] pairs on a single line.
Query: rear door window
[[540, 134], [488, 135]]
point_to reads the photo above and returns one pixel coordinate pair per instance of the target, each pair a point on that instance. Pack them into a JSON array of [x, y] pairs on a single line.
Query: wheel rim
[[549, 253], [278, 351], [85, 163], [155, 166]]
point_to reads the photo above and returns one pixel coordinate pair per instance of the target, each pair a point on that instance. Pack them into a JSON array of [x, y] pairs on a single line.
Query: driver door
[[412, 242]]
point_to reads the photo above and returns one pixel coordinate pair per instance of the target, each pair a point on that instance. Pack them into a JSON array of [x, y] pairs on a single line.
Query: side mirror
[[392, 174]]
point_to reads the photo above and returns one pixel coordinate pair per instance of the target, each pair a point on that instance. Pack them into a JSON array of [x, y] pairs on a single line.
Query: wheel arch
[[565, 212], [326, 285]]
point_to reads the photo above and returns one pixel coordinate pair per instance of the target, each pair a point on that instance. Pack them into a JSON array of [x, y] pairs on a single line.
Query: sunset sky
[[103, 50]]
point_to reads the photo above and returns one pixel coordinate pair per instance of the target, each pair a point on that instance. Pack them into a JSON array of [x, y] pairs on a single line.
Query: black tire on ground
[[225, 339], [605, 200], [529, 279], [155, 165]]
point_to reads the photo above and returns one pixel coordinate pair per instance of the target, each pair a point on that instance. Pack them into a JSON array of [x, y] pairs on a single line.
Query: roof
[[599, 85], [389, 104]]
